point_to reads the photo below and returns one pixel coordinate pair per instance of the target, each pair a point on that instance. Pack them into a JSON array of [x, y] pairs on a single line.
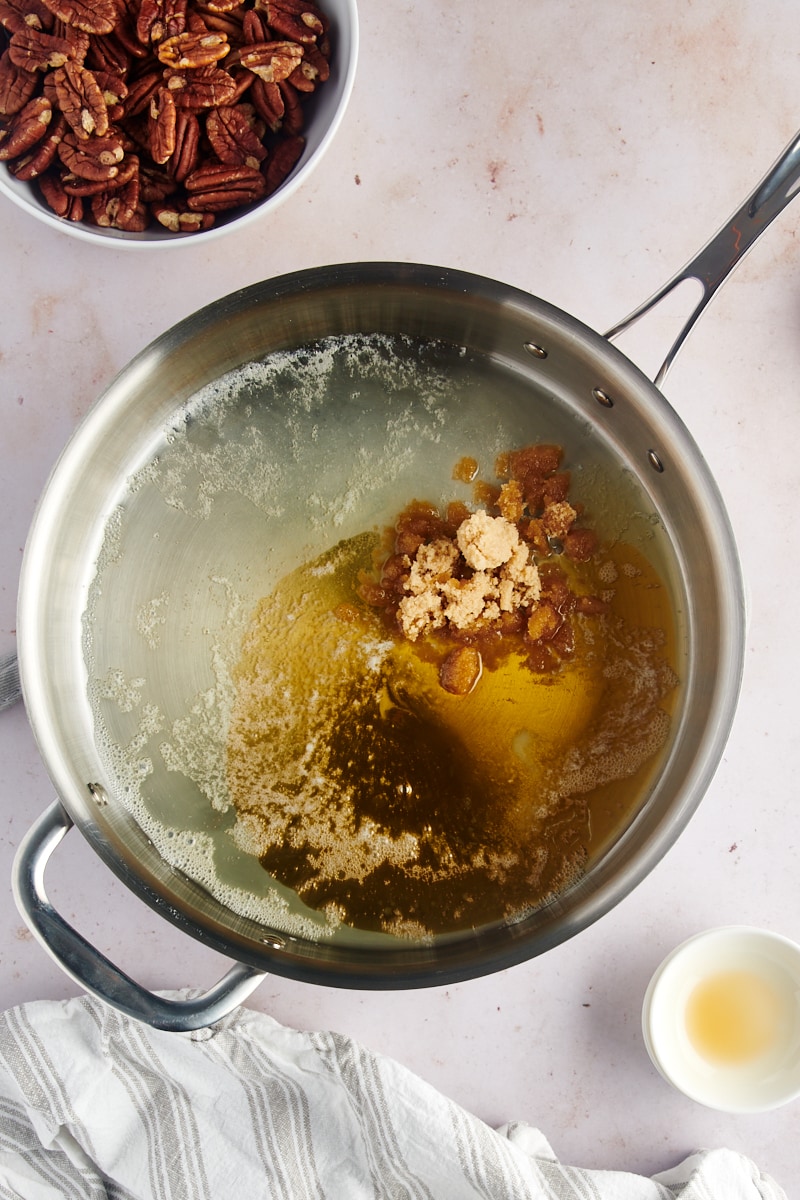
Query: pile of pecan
[[129, 112]]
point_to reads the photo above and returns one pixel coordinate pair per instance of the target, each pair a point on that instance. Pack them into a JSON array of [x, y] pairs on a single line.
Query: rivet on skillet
[[273, 941], [535, 350], [98, 794], [655, 461], [602, 397]]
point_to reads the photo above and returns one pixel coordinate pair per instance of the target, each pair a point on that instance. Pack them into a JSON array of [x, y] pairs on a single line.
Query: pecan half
[[81, 100], [120, 208], [271, 61], [113, 87], [255, 27], [318, 64], [76, 39], [220, 6], [39, 159], [141, 92], [125, 35], [229, 22], [201, 89], [282, 161], [293, 118], [233, 138], [27, 128], [244, 80], [267, 99], [93, 158], [303, 77], [217, 187], [81, 185], [97, 16], [33, 50], [161, 127], [24, 14], [186, 51], [110, 216], [62, 204], [17, 85], [295, 19], [179, 220], [155, 184], [107, 53], [186, 155], [159, 19]]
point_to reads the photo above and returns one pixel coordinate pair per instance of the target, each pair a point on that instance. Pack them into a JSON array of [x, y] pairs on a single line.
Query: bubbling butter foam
[[287, 424], [210, 517]]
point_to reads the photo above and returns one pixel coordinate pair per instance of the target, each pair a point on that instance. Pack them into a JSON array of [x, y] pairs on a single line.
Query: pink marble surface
[[581, 152]]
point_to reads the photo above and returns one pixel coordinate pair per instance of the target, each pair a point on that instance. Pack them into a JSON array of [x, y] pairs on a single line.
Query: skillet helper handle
[[712, 265], [88, 967]]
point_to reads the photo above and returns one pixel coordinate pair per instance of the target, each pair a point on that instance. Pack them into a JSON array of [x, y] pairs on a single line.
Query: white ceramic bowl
[[721, 1019], [324, 113]]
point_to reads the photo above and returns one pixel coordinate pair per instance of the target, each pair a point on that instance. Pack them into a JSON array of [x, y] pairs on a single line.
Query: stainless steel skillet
[[97, 510]]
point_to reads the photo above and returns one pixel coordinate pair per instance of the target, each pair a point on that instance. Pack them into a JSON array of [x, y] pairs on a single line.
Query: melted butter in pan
[[392, 805]]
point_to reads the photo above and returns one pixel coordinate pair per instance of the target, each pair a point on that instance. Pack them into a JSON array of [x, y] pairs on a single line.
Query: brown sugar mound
[[469, 580], [477, 576]]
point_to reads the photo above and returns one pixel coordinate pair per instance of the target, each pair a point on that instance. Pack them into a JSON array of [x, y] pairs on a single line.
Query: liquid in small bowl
[[721, 1019]]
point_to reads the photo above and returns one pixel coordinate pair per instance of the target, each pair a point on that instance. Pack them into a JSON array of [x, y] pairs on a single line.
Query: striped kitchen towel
[[95, 1105]]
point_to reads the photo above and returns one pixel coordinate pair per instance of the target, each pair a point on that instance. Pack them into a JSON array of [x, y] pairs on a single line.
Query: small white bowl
[[324, 114], [721, 1019]]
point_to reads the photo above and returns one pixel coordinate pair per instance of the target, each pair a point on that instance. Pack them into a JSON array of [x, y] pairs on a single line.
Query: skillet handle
[[88, 967], [712, 265]]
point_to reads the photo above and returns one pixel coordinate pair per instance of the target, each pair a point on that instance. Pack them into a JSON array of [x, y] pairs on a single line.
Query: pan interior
[[255, 474]]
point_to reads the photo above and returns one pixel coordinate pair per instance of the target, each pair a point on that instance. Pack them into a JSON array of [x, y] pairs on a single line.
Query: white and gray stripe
[[171, 1134], [280, 1116], [21, 1155]]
